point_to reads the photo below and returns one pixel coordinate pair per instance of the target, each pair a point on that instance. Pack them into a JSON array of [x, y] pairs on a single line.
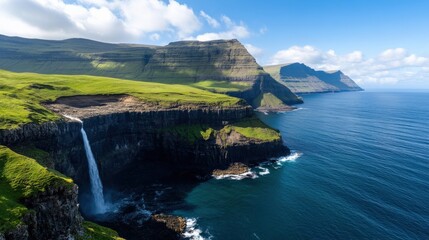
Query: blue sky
[[379, 43], [346, 25]]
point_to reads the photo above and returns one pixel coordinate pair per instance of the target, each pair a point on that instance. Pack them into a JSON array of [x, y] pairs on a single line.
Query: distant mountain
[[223, 66], [300, 78]]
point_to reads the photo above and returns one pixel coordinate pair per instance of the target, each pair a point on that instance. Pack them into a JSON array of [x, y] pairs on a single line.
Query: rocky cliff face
[[54, 214], [194, 61], [120, 139], [153, 137], [303, 79], [185, 62]]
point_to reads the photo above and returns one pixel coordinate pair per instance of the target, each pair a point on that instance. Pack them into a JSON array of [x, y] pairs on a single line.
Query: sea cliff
[[180, 140]]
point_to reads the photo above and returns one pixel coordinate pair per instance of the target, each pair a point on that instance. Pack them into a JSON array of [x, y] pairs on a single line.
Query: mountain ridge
[[301, 78], [184, 62]]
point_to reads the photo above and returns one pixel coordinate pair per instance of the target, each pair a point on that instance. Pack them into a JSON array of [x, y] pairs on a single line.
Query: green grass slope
[[222, 86], [21, 94], [22, 177], [268, 100], [251, 128], [94, 231]]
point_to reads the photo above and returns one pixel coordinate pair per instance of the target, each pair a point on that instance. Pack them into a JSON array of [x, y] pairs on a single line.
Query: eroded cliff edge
[[124, 132]]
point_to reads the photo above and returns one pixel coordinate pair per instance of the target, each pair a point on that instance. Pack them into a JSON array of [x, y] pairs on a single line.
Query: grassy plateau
[[251, 128], [21, 94]]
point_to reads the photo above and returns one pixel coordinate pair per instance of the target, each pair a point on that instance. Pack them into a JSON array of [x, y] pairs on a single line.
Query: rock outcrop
[[185, 62], [174, 223], [233, 169], [55, 214], [302, 79]]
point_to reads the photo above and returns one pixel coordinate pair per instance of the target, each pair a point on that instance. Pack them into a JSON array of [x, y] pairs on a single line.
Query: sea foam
[[248, 174], [192, 231], [263, 168], [292, 157]]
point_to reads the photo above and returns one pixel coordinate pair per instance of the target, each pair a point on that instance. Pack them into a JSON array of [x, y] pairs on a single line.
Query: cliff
[[192, 138], [302, 79], [220, 66], [165, 129], [36, 203]]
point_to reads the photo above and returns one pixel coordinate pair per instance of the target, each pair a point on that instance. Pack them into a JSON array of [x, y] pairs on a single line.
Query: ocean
[[359, 170]]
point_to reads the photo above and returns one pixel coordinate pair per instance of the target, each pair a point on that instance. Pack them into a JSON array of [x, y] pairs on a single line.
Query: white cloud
[[255, 51], [232, 30], [211, 21], [155, 37], [106, 20], [355, 56], [263, 30], [114, 20], [307, 54], [393, 54], [390, 67]]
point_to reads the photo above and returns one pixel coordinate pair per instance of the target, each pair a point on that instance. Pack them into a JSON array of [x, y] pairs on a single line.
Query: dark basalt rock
[[19, 233], [54, 215]]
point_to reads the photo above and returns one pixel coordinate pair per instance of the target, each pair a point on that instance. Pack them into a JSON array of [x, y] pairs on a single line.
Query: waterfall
[[94, 176]]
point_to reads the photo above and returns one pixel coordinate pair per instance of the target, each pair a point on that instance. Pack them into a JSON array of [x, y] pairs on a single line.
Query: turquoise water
[[363, 173]]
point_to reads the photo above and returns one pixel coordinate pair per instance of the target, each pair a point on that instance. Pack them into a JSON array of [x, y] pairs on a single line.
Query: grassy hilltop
[[21, 94]]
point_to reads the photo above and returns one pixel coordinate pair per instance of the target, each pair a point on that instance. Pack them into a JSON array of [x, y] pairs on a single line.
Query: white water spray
[[94, 176]]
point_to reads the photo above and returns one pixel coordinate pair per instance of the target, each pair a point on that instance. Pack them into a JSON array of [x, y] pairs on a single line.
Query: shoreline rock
[[236, 168], [175, 223]]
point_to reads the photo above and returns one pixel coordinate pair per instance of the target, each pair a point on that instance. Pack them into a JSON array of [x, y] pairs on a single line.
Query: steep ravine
[[166, 139]]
